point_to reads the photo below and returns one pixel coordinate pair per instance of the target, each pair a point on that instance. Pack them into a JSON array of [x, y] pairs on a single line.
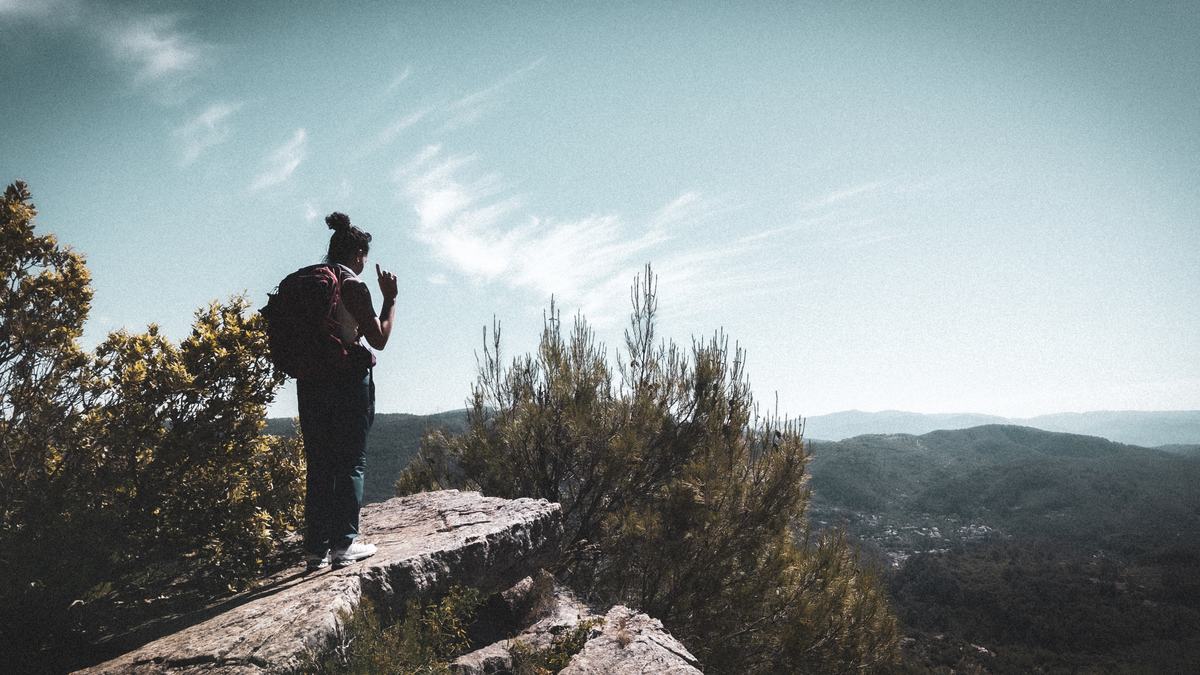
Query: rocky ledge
[[630, 642], [427, 543], [620, 641]]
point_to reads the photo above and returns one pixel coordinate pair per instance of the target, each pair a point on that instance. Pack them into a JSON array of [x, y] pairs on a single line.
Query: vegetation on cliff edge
[[678, 497]]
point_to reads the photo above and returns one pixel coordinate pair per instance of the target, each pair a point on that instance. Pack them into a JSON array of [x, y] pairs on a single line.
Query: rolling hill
[[1018, 479], [1148, 429]]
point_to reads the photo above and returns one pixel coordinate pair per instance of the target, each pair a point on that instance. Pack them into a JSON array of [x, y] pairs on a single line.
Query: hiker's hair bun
[[337, 221], [347, 241]]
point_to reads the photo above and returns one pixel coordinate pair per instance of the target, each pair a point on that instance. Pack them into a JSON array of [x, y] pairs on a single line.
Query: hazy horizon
[[916, 206], [865, 412]]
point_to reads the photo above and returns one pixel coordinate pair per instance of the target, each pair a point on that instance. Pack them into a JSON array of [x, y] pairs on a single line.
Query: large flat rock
[[427, 543]]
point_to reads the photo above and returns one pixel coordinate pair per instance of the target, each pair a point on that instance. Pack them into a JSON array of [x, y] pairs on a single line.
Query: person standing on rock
[[337, 409]]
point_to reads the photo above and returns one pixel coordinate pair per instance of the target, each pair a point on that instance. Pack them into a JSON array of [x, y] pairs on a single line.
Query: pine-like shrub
[[678, 497]]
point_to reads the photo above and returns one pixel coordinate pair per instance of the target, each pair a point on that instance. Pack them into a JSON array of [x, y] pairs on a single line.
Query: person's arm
[[376, 329]]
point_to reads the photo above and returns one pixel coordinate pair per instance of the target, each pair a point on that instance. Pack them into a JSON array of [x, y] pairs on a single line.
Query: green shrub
[[129, 471], [555, 656], [423, 642], [677, 497]]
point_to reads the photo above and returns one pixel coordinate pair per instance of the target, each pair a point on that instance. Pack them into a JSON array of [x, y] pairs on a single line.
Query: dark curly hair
[[347, 240]]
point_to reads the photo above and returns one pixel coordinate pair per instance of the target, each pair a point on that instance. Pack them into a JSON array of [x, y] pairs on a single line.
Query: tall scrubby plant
[[677, 496], [128, 469], [45, 295]]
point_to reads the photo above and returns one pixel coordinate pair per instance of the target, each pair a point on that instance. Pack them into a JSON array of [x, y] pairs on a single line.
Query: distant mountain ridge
[[1144, 428], [1020, 479]]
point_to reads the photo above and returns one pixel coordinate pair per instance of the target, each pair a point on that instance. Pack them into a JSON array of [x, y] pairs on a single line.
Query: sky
[[935, 207]]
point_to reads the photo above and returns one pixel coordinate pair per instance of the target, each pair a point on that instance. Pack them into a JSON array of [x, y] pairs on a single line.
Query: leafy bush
[[678, 497], [129, 469], [44, 300], [180, 460], [554, 657]]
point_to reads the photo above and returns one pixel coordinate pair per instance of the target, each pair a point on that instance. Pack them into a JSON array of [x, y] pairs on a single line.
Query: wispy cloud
[[310, 212], [829, 232], [827, 221], [470, 108], [43, 10], [483, 95], [153, 46], [689, 206], [282, 162], [206, 130], [845, 218], [388, 134], [843, 194], [459, 218], [476, 228], [701, 279], [399, 79]]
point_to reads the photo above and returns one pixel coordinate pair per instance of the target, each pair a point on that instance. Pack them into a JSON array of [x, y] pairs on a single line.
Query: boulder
[[620, 641], [546, 610], [630, 642], [427, 543]]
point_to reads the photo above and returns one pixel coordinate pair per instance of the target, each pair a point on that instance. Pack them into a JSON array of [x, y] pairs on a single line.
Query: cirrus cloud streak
[[282, 162], [475, 227]]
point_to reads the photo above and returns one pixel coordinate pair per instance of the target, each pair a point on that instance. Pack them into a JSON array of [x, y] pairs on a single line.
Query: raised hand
[[387, 283]]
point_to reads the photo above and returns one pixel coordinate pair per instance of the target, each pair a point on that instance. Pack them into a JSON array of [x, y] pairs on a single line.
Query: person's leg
[[317, 427], [350, 459]]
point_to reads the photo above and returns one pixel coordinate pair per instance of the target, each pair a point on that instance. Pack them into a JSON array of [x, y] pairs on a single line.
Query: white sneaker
[[357, 551], [316, 561]]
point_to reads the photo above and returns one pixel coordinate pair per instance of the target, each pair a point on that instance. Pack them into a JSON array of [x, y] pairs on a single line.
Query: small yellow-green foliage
[[45, 295], [130, 468], [423, 643], [176, 444], [677, 496], [555, 656]]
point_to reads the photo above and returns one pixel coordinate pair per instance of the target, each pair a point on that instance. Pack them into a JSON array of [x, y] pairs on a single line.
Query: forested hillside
[[391, 445], [1022, 480], [1014, 549]]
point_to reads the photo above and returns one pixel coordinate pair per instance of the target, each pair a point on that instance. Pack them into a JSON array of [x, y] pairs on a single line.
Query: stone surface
[[630, 642], [548, 610], [623, 641], [427, 543]]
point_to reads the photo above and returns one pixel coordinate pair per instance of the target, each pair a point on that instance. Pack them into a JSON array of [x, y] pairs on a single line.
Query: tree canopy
[[130, 469]]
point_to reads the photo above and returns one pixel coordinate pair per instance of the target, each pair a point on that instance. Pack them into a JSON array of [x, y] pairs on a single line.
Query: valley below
[[1011, 550]]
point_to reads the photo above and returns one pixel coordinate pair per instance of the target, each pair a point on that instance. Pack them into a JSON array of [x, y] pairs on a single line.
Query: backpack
[[302, 327]]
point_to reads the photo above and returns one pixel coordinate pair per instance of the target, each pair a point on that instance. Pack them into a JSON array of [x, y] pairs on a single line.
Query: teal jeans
[[335, 416]]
